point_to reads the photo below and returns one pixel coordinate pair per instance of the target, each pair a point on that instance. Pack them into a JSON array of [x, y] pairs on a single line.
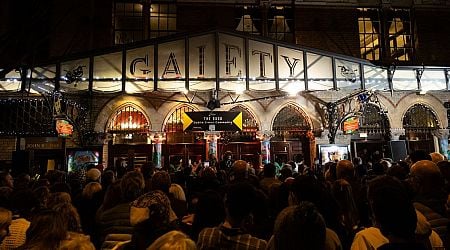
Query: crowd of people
[[341, 205]]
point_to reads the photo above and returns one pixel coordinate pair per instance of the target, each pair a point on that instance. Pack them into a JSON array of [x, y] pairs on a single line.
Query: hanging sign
[[351, 125], [212, 121]]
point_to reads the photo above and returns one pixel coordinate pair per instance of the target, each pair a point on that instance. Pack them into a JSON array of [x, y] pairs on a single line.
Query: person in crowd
[[308, 188], [349, 215], [227, 161], [108, 178], [395, 216], [418, 155], [22, 181], [400, 170], [241, 172], [140, 207], [58, 198], [5, 222], [23, 204], [437, 157], [6, 180], [80, 242], [429, 195], [47, 230], [444, 167], [209, 211], [360, 168], [330, 171], [93, 175], [90, 201], [269, 177], [299, 227], [70, 216], [161, 181], [231, 234], [147, 231], [285, 172], [147, 170], [173, 240], [116, 220], [213, 161]]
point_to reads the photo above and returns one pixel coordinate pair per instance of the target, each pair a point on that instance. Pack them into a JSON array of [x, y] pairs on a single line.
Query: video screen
[[80, 159], [333, 152]]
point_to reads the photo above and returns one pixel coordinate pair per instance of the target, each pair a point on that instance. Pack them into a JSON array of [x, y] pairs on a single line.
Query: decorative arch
[[128, 118], [374, 120], [249, 122], [420, 118], [291, 118], [173, 123]]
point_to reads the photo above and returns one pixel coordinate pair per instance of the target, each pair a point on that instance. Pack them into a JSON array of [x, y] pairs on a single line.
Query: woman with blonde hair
[[173, 240], [90, 189]]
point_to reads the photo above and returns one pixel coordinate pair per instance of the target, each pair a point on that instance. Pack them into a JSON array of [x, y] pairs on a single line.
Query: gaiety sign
[[212, 121]]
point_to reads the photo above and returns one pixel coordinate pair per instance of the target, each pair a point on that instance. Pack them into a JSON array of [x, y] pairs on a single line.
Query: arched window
[[249, 123], [291, 118], [420, 118], [419, 123], [374, 120], [173, 123], [128, 120]]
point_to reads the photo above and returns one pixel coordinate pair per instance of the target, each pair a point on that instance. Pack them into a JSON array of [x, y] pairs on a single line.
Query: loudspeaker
[[213, 104], [20, 162], [398, 150]]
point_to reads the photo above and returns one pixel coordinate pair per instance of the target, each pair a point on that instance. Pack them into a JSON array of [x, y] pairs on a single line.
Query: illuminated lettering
[[291, 65], [262, 61], [172, 61], [229, 59]]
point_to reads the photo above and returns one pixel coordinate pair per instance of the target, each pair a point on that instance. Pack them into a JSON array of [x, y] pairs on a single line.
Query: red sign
[[351, 125], [64, 128]]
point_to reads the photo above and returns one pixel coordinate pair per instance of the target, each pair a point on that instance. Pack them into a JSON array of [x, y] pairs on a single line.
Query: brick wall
[[7, 146]]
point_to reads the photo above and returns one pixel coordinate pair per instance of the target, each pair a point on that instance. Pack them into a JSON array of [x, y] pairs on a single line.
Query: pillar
[[442, 141], [264, 138], [211, 146], [157, 140]]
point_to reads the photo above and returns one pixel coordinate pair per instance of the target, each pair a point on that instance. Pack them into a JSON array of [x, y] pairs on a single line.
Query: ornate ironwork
[[291, 118], [128, 120], [352, 105], [420, 118], [173, 124]]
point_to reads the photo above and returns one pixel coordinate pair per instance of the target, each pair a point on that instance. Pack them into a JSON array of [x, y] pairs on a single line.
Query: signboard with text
[[212, 121]]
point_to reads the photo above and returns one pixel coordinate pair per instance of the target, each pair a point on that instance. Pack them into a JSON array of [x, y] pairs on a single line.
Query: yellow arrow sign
[[186, 120], [238, 120]]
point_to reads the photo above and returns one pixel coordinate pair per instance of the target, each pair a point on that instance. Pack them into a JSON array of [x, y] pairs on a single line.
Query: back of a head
[[345, 170], [173, 240], [437, 157], [239, 200], [5, 221], [419, 155], [299, 227], [392, 208], [161, 181], [47, 228], [426, 176], [269, 170], [70, 216], [90, 189], [239, 168], [132, 185]]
